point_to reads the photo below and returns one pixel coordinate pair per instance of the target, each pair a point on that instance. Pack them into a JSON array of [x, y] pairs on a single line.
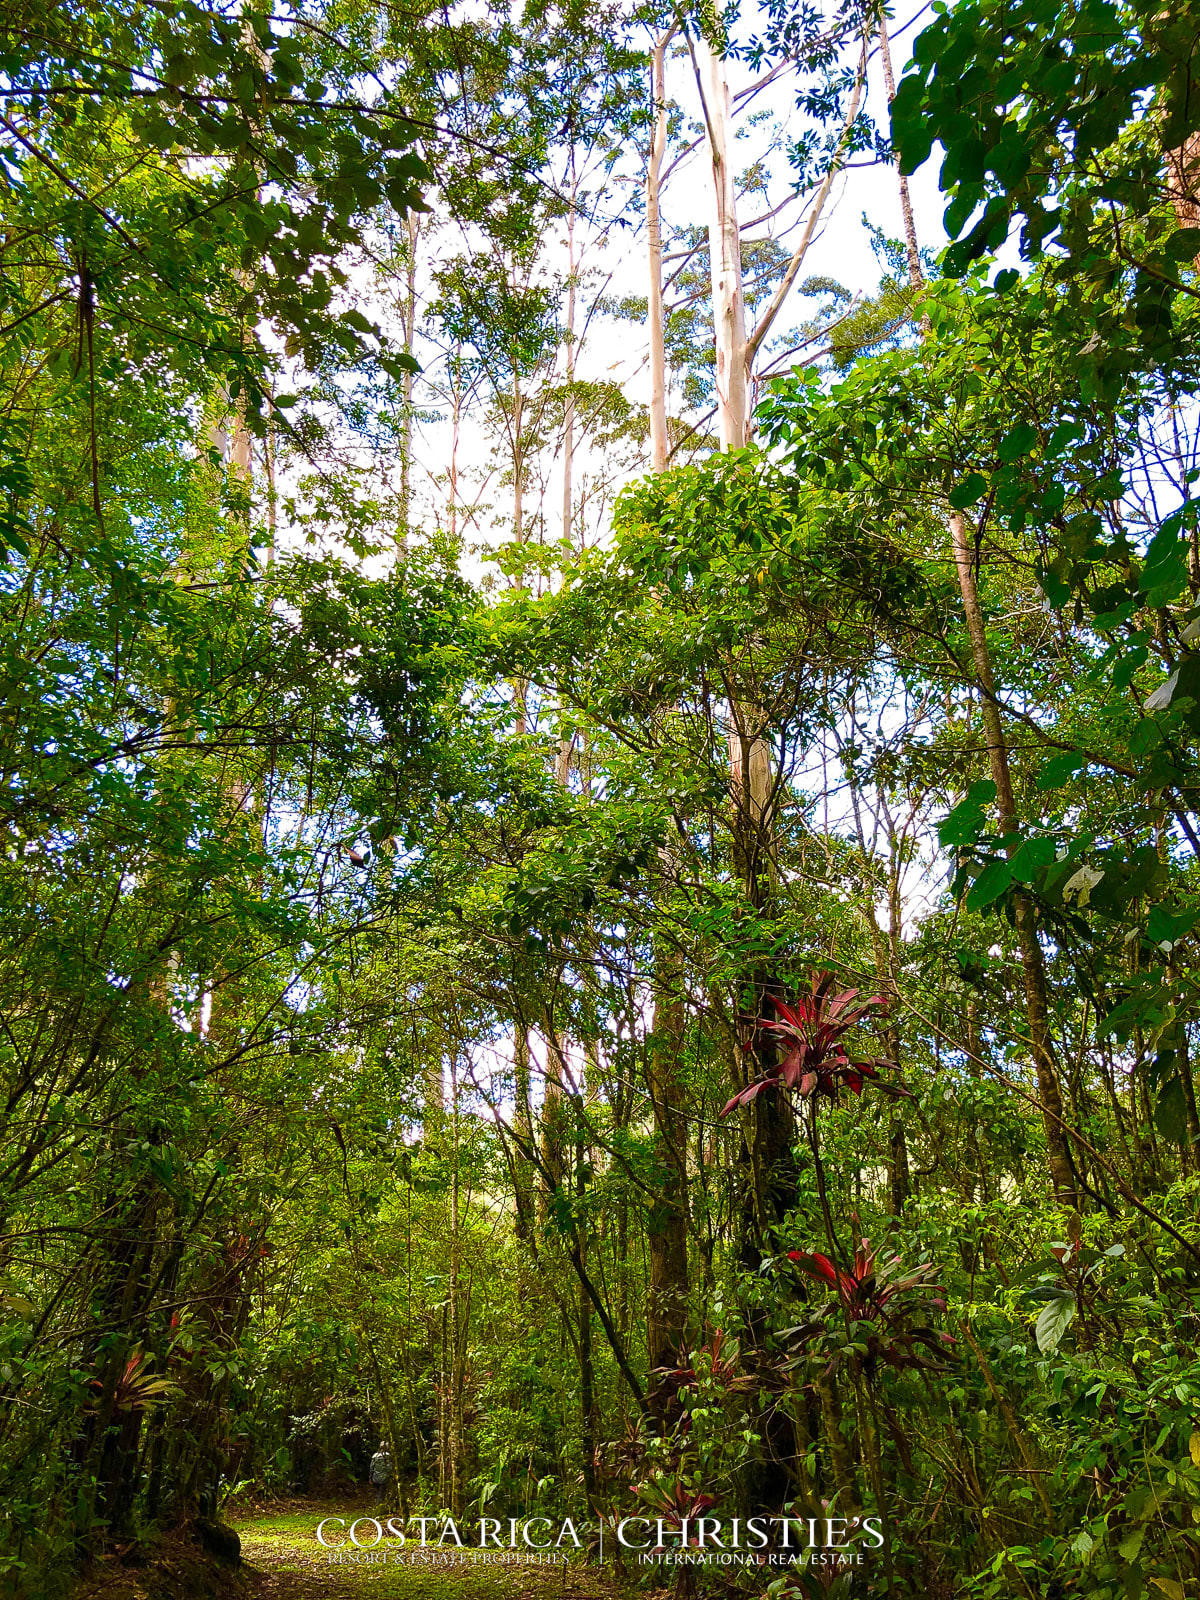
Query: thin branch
[[754, 343]]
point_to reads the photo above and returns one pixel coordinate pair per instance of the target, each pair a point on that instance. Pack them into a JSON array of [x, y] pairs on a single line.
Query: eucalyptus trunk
[[654, 303]]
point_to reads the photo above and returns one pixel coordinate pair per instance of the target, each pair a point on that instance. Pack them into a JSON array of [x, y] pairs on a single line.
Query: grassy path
[[281, 1548]]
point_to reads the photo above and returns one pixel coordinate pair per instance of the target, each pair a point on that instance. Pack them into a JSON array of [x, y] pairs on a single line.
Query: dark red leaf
[[817, 1266], [790, 1017]]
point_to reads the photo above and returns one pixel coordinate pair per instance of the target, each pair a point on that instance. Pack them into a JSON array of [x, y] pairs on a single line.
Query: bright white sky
[[617, 351]]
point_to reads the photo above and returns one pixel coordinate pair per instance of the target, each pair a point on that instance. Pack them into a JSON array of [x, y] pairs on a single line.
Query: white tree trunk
[[241, 468], [455, 427], [654, 300], [915, 276], [725, 256], [518, 460], [568, 449], [412, 225], [749, 755]]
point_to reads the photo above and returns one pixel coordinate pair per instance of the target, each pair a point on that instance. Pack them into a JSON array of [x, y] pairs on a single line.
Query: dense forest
[[601, 778]]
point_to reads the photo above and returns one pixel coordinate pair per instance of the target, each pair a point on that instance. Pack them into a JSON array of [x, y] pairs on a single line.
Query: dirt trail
[[285, 1561]]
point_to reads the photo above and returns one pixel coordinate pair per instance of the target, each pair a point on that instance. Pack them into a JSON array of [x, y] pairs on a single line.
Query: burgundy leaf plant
[[883, 1308], [814, 1058]]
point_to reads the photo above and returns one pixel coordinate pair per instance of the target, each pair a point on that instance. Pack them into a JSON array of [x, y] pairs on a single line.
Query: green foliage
[[1079, 120], [380, 951]]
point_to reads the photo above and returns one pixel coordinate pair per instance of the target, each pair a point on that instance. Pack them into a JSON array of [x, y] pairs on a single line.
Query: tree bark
[[667, 1302], [587, 1370], [518, 460], [568, 449], [557, 1079], [523, 1195], [1024, 911], [915, 276], [792, 270], [654, 301], [523, 1121], [412, 228], [455, 429], [455, 1477], [667, 1299], [725, 254]]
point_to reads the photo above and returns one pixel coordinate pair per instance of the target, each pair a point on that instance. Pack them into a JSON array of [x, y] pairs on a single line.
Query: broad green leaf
[[971, 489], [1131, 1544], [1053, 1321], [1017, 442], [991, 883], [1172, 1589], [1170, 1111], [1060, 769]]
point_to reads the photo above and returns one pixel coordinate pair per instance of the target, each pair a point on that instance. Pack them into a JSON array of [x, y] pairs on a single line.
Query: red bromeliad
[[815, 1059], [879, 1296], [136, 1388], [718, 1362], [674, 1503]]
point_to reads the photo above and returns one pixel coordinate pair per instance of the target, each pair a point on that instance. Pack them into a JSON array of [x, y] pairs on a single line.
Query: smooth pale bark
[[752, 779], [725, 253], [568, 449], [1024, 911], [654, 300], [915, 276], [435, 1092], [749, 755], [241, 469], [735, 350], [518, 460], [412, 228]]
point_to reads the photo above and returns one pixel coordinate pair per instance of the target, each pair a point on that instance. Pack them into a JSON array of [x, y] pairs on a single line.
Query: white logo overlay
[[777, 1541]]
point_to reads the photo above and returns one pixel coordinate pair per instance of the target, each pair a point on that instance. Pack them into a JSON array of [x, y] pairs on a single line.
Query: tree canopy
[[601, 825]]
